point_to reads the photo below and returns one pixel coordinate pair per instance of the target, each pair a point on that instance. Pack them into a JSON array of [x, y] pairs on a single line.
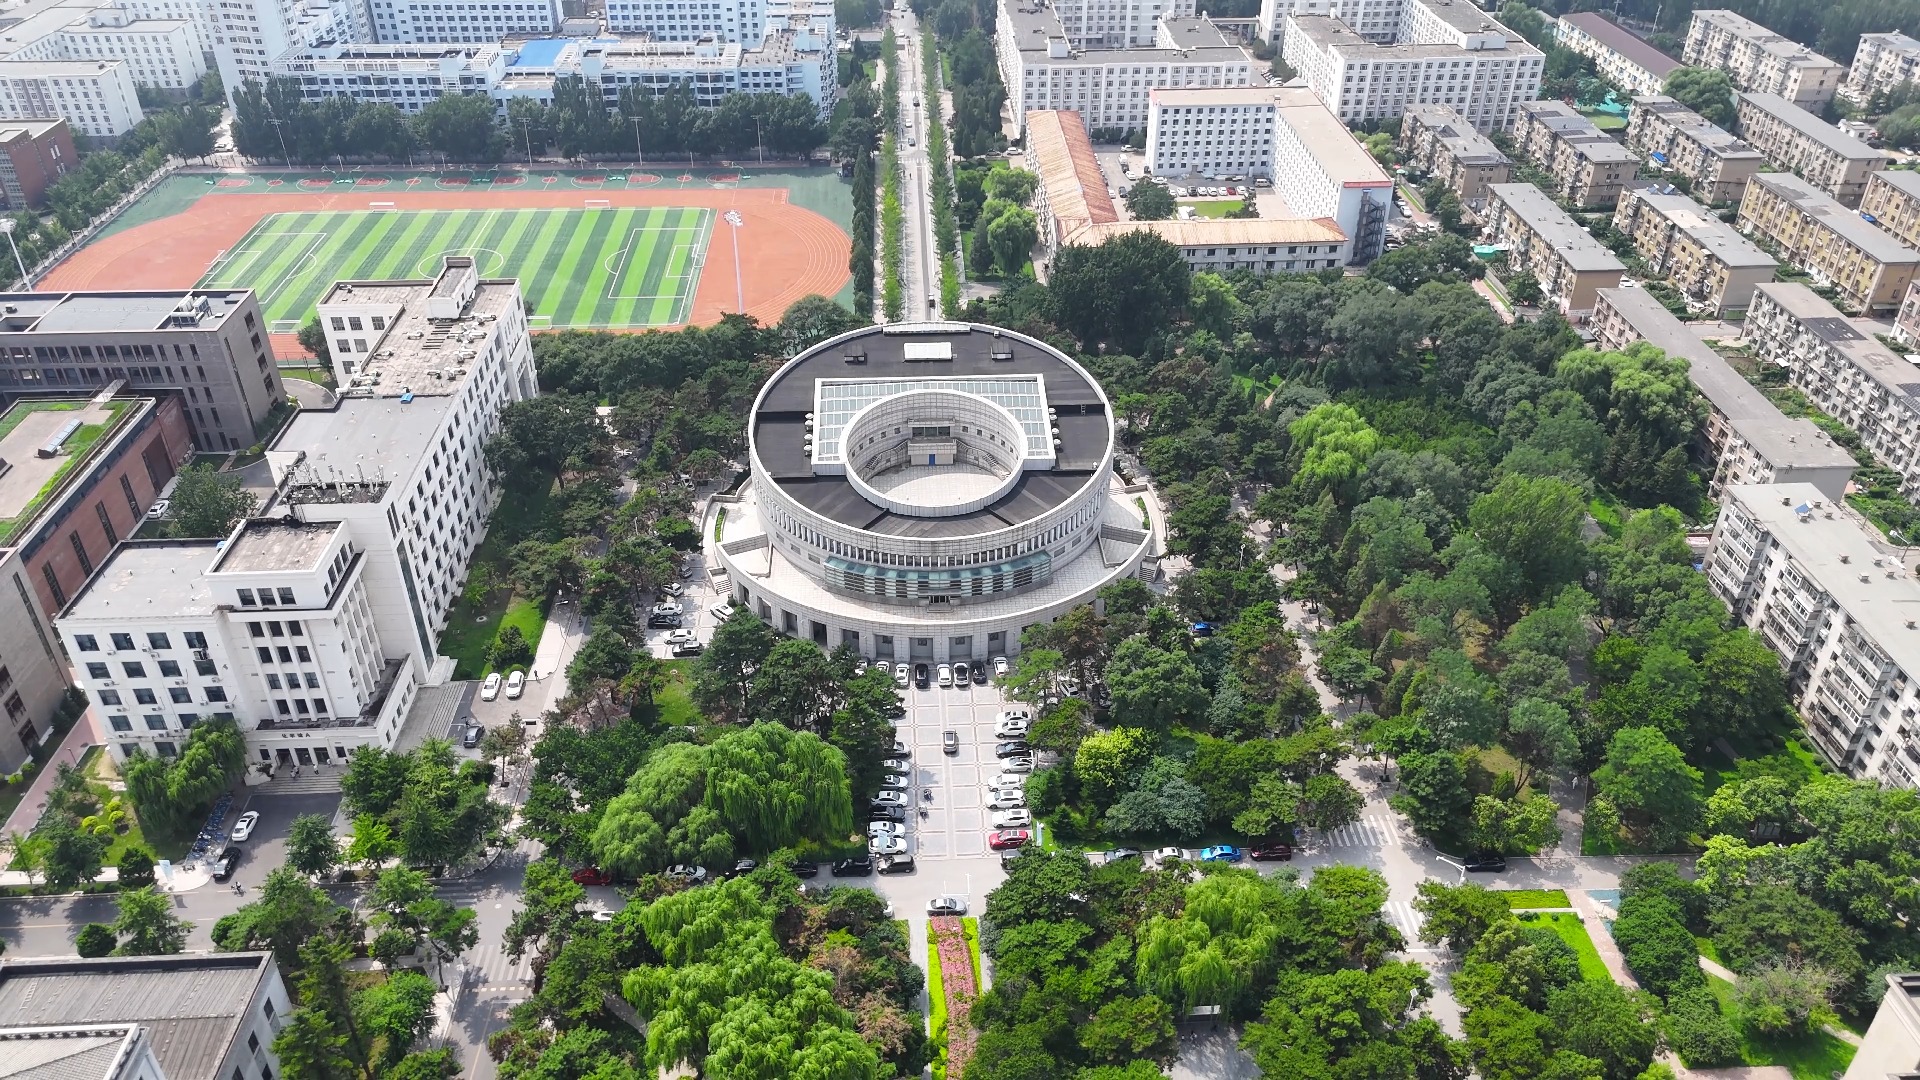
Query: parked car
[[592, 875], [805, 868], [472, 737], [490, 687], [663, 622], [886, 828], [895, 782], [743, 866], [668, 607], [1008, 838], [721, 612], [949, 742], [1272, 853], [243, 828], [946, 675], [516, 684], [922, 676], [693, 875], [853, 868], [1011, 819], [224, 866], [1011, 729], [889, 798], [1165, 855], [158, 510], [895, 864], [895, 812], [1009, 799], [886, 845], [1220, 853], [899, 749], [671, 588], [601, 915], [1018, 748], [1486, 863], [947, 905], [979, 672], [680, 637], [1005, 779], [684, 649], [1013, 714], [961, 674], [894, 764], [902, 674], [1123, 853], [1022, 763]]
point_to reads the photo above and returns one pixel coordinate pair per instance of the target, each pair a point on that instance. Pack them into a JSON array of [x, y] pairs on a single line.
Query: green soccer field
[[613, 268]]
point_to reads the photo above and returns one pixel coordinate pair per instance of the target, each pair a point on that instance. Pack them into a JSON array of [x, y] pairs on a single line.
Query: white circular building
[[926, 491]]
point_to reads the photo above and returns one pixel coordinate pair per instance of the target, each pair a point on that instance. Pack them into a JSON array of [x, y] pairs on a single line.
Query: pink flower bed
[[956, 983]]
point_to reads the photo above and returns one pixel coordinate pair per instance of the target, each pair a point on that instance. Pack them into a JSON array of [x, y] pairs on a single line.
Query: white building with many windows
[[1759, 60], [94, 97], [1882, 62], [313, 623], [1840, 607], [418, 21], [254, 34], [159, 51]]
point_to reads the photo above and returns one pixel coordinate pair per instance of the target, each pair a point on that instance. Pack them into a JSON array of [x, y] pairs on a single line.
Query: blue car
[[1221, 853]]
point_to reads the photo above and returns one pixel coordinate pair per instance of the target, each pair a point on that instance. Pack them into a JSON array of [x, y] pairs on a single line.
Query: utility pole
[[639, 154], [276, 122], [733, 218], [526, 127], [760, 141]]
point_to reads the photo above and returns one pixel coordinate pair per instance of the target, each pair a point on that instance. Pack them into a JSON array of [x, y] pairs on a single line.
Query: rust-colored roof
[[1209, 232], [1070, 180]]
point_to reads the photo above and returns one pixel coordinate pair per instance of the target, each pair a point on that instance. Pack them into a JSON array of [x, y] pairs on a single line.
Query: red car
[[1272, 852], [1008, 838], [592, 875]]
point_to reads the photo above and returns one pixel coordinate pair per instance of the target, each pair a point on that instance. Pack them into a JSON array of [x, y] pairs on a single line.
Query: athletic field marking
[[222, 273]]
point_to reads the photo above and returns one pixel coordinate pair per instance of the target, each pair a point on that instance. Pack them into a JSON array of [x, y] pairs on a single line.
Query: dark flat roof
[[779, 424]]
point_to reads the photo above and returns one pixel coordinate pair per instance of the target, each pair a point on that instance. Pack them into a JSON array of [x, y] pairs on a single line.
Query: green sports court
[[604, 267]]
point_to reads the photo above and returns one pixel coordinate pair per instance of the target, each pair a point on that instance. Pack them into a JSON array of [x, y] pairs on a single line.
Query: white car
[[1010, 799], [1002, 781], [671, 588], [516, 684], [721, 612], [886, 845], [1011, 729], [669, 607], [1000, 667], [244, 827], [902, 675], [1165, 855], [946, 675], [490, 689], [680, 637], [899, 765], [885, 828], [1011, 819], [1014, 714], [158, 509], [947, 905], [1016, 764]]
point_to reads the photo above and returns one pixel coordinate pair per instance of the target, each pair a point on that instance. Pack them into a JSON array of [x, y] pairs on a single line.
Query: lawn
[[675, 699], [468, 634], [99, 767], [1519, 899], [1604, 120], [1574, 932], [1214, 208], [624, 267], [1818, 1056]]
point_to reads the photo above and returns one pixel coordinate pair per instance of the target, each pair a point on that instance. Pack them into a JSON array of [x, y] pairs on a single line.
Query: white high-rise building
[[95, 97], [421, 22], [255, 33]]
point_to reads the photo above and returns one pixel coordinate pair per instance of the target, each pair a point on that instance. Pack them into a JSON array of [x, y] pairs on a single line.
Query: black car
[[896, 864], [1011, 749], [744, 866], [979, 672], [853, 867], [472, 738], [223, 866], [1486, 862], [922, 678], [805, 868], [663, 622], [1272, 853], [888, 813]]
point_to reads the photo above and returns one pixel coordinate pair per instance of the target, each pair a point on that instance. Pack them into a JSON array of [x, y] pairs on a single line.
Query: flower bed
[[959, 986]]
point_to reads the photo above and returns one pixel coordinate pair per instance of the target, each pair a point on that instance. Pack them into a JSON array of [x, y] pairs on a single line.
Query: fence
[[92, 228]]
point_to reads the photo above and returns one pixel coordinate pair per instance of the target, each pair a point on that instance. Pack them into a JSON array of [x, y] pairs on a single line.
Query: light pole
[[7, 226], [739, 293], [276, 122], [639, 154], [760, 141], [526, 127]]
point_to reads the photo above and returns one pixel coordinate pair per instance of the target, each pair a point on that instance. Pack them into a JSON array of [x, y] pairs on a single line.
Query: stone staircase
[[313, 780]]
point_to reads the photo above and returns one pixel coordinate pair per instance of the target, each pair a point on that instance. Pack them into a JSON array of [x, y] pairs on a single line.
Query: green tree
[[1541, 737], [313, 338], [136, 868], [1699, 1032], [147, 925], [69, 855], [1649, 780], [463, 127], [1534, 523], [311, 848], [1150, 202], [1458, 914], [1154, 688], [1107, 761], [206, 503], [1121, 291], [542, 439], [1012, 236], [1609, 1024], [372, 842], [1524, 288], [1786, 1000], [510, 650], [95, 939], [1707, 91]]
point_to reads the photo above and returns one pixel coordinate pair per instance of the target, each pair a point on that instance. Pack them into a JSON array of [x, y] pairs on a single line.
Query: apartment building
[[210, 345], [1759, 60], [1812, 231], [164, 54], [1836, 602], [1437, 141], [1844, 371], [1745, 439], [94, 97], [1285, 134], [1799, 142], [1677, 140], [1892, 201], [33, 154], [1620, 56], [478, 21], [1892, 1043], [189, 1016], [1044, 72], [1590, 170], [742, 22], [1906, 324], [1708, 260], [1881, 63], [1442, 53], [1118, 24], [255, 34], [1543, 239]]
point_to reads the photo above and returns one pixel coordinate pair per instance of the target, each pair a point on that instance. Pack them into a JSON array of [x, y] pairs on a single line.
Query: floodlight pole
[[7, 226], [739, 292]]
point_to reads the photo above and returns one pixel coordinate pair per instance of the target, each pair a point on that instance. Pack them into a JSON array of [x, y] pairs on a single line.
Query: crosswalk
[[1373, 831], [1405, 919], [495, 971]]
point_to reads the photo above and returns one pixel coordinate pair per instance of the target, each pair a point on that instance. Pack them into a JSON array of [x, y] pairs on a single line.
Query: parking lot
[[956, 822]]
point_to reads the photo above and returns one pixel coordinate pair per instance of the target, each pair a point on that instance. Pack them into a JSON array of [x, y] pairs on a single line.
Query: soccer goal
[[599, 204], [381, 206], [539, 322]]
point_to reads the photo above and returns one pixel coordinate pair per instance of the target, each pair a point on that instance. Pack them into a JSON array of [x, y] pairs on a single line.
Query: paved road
[[920, 275]]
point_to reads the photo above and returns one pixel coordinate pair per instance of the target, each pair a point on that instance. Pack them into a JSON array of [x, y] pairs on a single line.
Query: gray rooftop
[[1754, 33], [1623, 41], [90, 1052], [1811, 126], [271, 544], [419, 353], [1569, 127], [1854, 341], [1848, 224], [1556, 228], [378, 440], [1905, 181], [1715, 139], [779, 424], [1721, 239], [1327, 31], [148, 579], [192, 1005], [111, 312], [1032, 25], [1784, 441], [1467, 145]]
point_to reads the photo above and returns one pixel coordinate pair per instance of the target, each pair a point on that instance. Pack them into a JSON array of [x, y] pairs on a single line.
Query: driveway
[[267, 848]]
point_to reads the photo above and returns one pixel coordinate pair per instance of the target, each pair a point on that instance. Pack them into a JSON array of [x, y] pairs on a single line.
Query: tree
[[313, 338], [1786, 1000], [1534, 523], [95, 939], [1541, 737], [1148, 201], [510, 650], [1121, 291], [1707, 91], [1611, 1025], [206, 503], [147, 925], [1699, 1032], [1107, 761], [1524, 288], [1154, 688], [311, 848], [1012, 236], [541, 439], [463, 127], [69, 855], [811, 320], [136, 868], [372, 842], [1458, 914], [1649, 780]]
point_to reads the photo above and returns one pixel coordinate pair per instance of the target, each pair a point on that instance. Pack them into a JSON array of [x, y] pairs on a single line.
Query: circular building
[[926, 491]]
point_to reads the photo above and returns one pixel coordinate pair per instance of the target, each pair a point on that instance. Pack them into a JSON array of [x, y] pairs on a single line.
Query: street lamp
[[639, 154], [276, 122], [760, 141], [7, 226], [526, 126], [732, 218]]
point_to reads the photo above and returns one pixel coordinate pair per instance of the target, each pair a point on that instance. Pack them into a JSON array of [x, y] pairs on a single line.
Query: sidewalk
[[565, 629]]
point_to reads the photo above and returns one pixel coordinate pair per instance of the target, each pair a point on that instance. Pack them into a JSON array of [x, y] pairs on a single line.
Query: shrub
[[136, 868], [1655, 943], [95, 939], [1699, 1032]]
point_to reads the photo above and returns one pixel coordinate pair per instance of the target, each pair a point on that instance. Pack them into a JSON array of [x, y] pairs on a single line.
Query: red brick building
[[33, 154]]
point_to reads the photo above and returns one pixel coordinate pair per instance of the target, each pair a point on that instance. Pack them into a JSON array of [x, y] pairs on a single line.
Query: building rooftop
[[366, 442], [1811, 126], [1742, 27], [1033, 23], [27, 129], [80, 426], [1720, 239], [108, 312], [1905, 181], [1070, 180], [1207, 232], [1846, 559], [1854, 341], [1629, 45], [1848, 224], [1465, 144], [1586, 139], [1716, 140], [432, 337], [1556, 228], [192, 1004], [1785, 441], [148, 578], [273, 544], [1329, 32], [87, 1052]]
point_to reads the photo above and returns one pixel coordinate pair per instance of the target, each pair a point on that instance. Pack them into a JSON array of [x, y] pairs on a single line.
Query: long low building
[[1892, 201], [1838, 605], [1707, 259], [1801, 143], [1621, 57], [1678, 140], [1544, 240], [1812, 231], [1437, 141], [1758, 59], [1589, 169], [1881, 63], [1842, 369], [1746, 439]]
